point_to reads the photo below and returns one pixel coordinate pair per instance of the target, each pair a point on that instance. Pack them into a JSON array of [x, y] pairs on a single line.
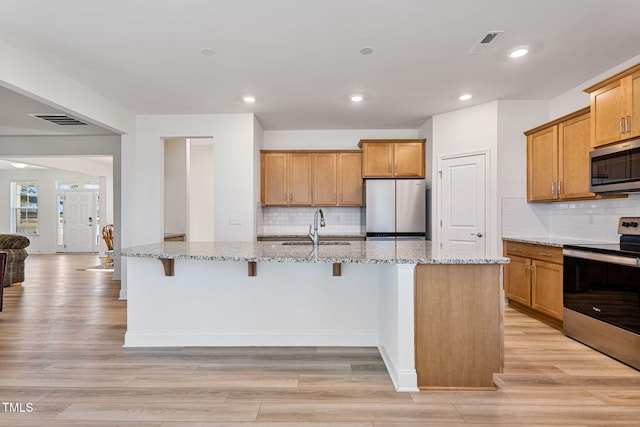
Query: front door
[[79, 221], [463, 193]]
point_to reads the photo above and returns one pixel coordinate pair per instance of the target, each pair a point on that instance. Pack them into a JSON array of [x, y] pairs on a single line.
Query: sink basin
[[305, 243]]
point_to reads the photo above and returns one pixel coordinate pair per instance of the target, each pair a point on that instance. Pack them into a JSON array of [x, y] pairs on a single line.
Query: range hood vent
[[60, 119], [484, 41]]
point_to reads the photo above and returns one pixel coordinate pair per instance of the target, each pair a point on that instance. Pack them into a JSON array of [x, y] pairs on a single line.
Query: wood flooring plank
[[357, 412], [176, 411]]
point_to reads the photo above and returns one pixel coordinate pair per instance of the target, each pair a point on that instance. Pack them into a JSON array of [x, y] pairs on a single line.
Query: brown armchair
[[3, 265], [14, 245]]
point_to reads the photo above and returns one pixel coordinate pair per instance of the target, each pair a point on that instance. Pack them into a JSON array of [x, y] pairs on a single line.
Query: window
[[24, 206]]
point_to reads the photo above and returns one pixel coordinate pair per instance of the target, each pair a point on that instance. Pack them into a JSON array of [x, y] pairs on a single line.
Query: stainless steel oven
[[602, 294]]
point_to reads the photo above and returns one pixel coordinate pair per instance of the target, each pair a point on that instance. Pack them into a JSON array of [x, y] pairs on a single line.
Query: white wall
[[201, 195], [233, 166], [329, 139], [426, 131], [463, 131], [45, 240]]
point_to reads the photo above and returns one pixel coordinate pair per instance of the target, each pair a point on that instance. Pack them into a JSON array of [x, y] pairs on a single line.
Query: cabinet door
[[408, 160], [274, 180], [574, 144], [300, 189], [517, 284], [607, 114], [325, 179], [634, 105], [350, 179], [542, 165], [546, 288], [377, 160]]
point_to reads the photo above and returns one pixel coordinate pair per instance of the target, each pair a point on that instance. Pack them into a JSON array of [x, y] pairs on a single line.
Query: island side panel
[[459, 312], [215, 303]]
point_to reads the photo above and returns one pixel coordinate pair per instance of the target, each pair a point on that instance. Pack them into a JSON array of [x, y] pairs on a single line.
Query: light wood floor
[[61, 338]]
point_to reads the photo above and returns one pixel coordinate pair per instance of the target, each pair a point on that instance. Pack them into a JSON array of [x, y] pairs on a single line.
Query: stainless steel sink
[[311, 243]]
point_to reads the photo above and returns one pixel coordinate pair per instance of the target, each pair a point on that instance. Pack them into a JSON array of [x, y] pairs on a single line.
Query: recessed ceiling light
[[465, 97], [366, 50], [19, 165], [356, 98], [207, 51], [249, 99], [519, 52]]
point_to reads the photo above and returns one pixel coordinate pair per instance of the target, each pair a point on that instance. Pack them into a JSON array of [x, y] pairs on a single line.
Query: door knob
[[477, 234]]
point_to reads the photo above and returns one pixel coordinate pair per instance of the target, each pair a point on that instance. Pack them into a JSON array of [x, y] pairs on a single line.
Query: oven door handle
[[595, 256]]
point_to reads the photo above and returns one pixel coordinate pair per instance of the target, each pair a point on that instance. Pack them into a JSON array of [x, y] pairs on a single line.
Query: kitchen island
[[416, 304]]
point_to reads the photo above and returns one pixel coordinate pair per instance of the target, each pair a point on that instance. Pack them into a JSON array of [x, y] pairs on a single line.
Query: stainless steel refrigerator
[[396, 208]]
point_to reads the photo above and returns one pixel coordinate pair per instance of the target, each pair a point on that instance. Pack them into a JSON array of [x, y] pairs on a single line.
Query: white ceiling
[[301, 58]]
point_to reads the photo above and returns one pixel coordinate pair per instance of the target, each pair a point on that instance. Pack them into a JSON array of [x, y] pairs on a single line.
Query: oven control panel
[[629, 225]]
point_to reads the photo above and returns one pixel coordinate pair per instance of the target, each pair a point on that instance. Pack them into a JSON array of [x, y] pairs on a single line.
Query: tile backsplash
[[589, 220], [291, 220]]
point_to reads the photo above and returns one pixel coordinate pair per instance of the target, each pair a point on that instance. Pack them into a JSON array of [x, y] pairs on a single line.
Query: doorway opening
[[188, 189]]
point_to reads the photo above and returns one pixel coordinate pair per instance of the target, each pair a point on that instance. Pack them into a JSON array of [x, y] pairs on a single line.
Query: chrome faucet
[[313, 235]]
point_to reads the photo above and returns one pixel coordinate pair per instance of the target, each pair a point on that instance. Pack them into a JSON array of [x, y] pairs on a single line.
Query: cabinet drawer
[[539, 252]]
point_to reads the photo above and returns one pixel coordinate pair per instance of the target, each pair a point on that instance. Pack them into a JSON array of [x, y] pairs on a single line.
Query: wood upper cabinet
[[337, 178], [350, 182], [574, 145], [615, 108], [325, 179], [558, 159], [285, 179], [311, 178], [542, 165], [393, 158], [533, 278], [274, 179], [300, 180]]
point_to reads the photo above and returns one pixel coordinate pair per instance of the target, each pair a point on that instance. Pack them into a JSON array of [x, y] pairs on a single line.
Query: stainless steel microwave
[[615, 169]]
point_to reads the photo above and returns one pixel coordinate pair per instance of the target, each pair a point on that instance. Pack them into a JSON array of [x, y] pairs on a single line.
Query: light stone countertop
[[363, 252], [557, 242]]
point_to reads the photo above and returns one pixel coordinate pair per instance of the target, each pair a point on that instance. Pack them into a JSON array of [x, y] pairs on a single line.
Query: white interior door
[[79, 221], [463, 202]]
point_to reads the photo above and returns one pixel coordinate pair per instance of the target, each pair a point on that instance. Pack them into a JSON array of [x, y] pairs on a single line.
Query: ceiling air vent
[[59, 119], [484, 41]]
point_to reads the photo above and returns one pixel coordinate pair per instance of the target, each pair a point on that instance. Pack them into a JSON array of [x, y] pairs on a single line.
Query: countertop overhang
[[363, 252]]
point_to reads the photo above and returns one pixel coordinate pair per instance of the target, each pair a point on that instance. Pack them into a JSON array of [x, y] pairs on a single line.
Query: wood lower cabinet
[[615, 108], [558, 159], [533, 280], [393, 158]]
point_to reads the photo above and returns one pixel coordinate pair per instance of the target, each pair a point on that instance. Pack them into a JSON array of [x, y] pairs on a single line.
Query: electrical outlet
[[234, 220]]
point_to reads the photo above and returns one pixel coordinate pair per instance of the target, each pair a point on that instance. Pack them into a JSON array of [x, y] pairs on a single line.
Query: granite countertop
[[364, 252], [557, 242], [331, 235]]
